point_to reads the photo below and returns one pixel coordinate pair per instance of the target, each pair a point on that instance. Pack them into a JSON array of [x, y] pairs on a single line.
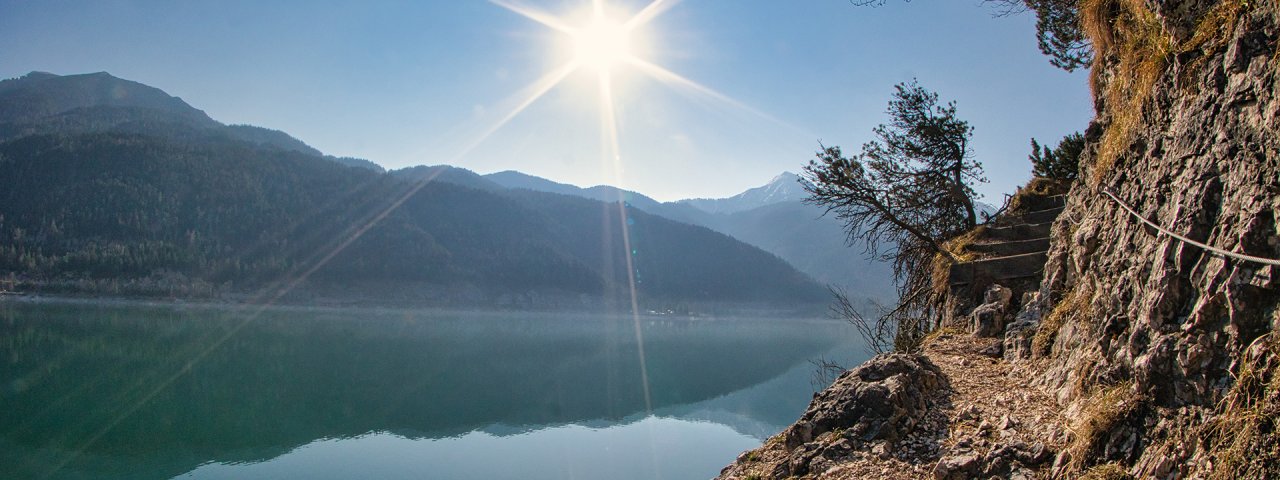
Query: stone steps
[[1037, 202], [1012, 247], [1016, 232], [1000, 268], [1047, 215]]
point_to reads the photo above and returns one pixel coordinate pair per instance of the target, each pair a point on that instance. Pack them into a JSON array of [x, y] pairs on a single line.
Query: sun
[[596, 42], [602, 44]]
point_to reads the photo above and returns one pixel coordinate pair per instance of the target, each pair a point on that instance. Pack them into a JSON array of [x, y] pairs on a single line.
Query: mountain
[[514, 179], [815, 244], [168, 208], [39, 95], [274, 138], [447, 174], [787, 187], [604, 193], [771, 217], [44, 103]]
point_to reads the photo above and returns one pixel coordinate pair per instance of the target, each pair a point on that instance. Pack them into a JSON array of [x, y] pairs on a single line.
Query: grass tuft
[[1129, 34], [1106, 471], [1103, 412], [958, 248], [1214, 29], [1075, 302], [933, 336], [1037, 187], [1211, 35], [1244, 437]]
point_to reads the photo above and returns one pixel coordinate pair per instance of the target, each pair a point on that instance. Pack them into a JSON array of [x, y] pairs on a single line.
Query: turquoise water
[[109, 391]]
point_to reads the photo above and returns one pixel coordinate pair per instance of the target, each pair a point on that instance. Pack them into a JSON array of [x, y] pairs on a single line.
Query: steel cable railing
[[1238, 256]]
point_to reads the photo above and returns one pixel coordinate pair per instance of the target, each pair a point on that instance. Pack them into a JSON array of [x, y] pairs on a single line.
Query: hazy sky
[[421, 82]]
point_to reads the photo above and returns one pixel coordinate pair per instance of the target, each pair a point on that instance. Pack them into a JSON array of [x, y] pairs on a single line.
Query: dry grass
[[1211, 36], [1075, 302], [1102, 413], [1106, 471], [1128, 33], [958, 248], [1038, 186], [1129, 36], [1214, 28], [1243, 437]]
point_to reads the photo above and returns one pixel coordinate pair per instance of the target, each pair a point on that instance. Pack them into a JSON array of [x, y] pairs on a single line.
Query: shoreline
[[721, 310]]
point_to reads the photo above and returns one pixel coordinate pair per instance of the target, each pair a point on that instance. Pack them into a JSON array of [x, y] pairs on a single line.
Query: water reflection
[[296, 387]]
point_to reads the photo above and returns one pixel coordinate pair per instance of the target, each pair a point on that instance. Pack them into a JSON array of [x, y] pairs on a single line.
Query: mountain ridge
[[42, 102], [772, 217], [784, 187], [131, 200]]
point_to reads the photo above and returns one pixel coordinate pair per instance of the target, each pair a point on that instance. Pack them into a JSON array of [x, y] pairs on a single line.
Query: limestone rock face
[[881, 400], [1144, 311], [1139, 337]]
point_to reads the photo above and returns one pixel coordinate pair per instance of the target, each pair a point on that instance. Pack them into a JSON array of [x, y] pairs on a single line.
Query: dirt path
[[990, 414]]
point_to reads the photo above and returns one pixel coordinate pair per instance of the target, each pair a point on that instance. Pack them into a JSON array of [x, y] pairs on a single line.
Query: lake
[[112, 391]]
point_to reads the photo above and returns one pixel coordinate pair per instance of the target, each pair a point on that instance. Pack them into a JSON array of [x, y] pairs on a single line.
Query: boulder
[[988, 319], [879, 402]]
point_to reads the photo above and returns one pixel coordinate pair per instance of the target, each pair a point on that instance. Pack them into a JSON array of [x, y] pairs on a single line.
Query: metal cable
[[1238, 256]]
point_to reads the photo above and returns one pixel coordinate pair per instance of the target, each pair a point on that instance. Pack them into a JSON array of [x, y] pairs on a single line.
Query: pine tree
[[1062, 162], [906, 193]]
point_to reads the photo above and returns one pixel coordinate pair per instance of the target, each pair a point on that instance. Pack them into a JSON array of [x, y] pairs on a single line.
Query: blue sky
[[420, 82]]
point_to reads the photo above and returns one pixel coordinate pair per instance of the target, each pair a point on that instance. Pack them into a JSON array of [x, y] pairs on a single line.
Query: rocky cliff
[[1164, 351], [1161, 356]]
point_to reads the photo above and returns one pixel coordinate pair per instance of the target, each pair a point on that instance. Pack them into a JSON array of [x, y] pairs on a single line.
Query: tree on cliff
[[906, 193], [1061, 162]]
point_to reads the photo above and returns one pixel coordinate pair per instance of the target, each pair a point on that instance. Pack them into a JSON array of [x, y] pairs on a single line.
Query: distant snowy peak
[[786, 187]]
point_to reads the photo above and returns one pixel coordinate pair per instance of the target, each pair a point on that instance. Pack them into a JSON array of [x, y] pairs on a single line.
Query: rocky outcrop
[[988, 319], [949, 412], [1151, 320], [868, 411], [881, 401], [1008, 460]]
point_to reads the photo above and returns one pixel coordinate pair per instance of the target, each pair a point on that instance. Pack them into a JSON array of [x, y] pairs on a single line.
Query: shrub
[[1061, 162]]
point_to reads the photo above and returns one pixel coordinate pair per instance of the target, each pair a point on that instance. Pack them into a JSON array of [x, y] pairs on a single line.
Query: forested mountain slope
[[167, 206], [772, 217]]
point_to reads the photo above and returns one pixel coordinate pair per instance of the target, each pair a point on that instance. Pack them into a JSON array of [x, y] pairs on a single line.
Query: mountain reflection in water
[[315, 393]]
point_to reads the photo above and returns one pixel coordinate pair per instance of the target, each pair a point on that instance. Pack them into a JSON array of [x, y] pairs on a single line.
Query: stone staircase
[[1012, 248], [1004, 262]]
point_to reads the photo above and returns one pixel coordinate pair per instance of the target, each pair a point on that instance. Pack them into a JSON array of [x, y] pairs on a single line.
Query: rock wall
[[1165, 356], [1140, 333]]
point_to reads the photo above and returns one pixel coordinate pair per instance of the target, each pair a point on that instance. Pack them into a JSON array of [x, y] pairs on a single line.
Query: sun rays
[[605, 45], [611, 47]]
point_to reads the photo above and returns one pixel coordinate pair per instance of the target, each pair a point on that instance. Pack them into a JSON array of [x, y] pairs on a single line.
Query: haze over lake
[[112, 391]]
